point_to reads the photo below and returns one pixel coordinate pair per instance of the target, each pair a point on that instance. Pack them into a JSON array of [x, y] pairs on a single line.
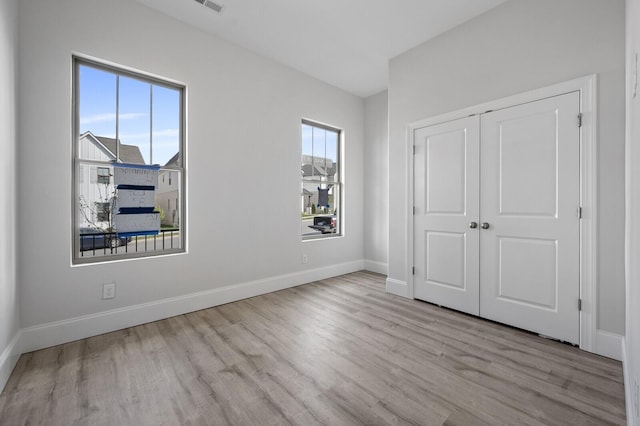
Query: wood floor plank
[[337, 351]]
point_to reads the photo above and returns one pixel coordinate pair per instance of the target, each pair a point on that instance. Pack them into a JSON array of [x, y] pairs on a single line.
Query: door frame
[[587, 88]]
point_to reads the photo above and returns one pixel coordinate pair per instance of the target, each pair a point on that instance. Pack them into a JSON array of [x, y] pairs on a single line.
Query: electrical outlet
[[305, 259], [109, 291]]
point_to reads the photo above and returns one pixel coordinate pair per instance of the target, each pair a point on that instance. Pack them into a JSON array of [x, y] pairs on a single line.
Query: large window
[[321, 184], [126, 119]]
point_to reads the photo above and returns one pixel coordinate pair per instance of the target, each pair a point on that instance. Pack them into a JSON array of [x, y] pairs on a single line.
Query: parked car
[[91, 238], [325, 224]]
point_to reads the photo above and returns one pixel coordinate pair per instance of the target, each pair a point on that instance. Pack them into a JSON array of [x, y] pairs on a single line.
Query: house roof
[[313, 170], [318, 170], [174, 161], [128, 153]]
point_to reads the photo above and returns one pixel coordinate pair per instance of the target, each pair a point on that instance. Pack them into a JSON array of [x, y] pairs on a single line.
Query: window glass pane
[[331, 156], [134, 114], [166, 126], [319, 150], [307, 151], [167, 195], [97, 113], [96, 238], [96, 196]]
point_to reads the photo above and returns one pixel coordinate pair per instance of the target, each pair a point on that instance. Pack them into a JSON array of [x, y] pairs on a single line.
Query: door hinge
[[579, 304], [579, 212], [580, 120], [414, 150], [413, 270], [414, 210]]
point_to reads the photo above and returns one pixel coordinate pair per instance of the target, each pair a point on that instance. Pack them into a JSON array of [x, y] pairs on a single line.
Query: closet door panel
[[529, 254], [446, 170]]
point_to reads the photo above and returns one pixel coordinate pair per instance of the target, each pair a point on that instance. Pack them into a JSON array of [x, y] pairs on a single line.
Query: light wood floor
[[339, 351]]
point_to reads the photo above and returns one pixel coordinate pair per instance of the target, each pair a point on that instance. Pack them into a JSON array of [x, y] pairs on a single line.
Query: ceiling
[[346, 43]]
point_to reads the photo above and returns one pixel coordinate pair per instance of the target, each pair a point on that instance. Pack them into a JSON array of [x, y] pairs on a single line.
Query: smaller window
[[102, 212], [103, 175], [321, 183]]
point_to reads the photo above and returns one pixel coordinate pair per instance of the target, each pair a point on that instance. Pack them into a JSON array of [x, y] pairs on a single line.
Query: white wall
[[519, 46], [9, 304], [376, 182], [632, 337], [244, 114]]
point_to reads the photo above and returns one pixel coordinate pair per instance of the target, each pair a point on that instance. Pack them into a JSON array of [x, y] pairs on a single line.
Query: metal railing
[[109, 243]]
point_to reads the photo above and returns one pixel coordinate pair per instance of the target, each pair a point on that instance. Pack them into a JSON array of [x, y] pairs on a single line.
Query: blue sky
[[97, 99]]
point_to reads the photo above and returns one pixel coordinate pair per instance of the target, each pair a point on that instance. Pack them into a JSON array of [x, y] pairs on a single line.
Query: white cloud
[[100, 118], [166, 133]]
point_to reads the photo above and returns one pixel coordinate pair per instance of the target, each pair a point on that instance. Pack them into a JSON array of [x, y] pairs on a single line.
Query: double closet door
[[497, 222]]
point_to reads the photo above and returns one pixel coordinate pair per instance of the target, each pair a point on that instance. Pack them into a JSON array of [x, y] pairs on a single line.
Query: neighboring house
[[314, 172], [96, 189], [167, 194]]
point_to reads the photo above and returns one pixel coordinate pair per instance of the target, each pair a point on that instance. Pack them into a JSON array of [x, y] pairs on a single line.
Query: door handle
[[485, 225], [473, 225]]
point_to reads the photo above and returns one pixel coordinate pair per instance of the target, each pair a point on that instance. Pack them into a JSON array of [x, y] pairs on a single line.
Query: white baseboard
[[374, 266], [9, 358], [397, 287], [55, 333], [608, 344]]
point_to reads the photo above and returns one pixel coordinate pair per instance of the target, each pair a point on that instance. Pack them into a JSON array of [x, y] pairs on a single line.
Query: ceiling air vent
[[211, 5]]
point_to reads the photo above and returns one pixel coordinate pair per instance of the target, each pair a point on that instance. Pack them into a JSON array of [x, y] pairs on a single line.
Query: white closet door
[[446, 166], [529, 255]]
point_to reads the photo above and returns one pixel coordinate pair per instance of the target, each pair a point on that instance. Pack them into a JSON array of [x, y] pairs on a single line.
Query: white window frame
[[77, 175], [338, 184]]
